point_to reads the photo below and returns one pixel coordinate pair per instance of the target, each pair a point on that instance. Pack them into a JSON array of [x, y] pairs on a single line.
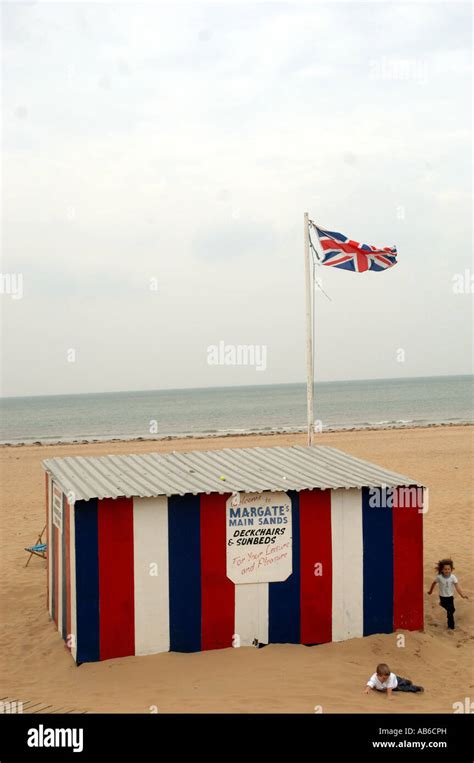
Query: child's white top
[[390, 682], [446, 585]]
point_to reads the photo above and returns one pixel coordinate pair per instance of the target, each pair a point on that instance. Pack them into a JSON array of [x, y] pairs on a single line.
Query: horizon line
[[232, 386]]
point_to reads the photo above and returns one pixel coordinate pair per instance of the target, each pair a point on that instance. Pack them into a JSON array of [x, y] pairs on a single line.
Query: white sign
[[57, 508], [259, 537]]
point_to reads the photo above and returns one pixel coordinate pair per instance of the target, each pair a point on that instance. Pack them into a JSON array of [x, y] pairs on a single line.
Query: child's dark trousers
[[447, 602], [404, 684]]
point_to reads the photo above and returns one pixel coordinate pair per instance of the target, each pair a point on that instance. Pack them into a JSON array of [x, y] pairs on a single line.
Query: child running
[[384, 680], [447, 583]]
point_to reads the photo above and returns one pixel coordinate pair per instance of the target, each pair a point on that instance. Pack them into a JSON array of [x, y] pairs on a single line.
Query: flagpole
[[309, 333]]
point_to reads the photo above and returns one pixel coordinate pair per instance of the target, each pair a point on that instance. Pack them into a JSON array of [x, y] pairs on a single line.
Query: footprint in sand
[[451, 664]]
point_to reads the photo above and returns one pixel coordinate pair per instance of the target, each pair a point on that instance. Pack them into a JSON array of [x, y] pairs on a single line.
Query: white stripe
[[72, 570], [347, 564], [251, 613], [262, 633], [50, 545], [150, 539]]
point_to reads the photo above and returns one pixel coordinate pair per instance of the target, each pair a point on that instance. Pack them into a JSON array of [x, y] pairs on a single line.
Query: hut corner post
[[309, 333]]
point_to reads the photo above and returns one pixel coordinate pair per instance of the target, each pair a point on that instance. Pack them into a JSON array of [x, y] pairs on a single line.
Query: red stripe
[[56, 576], [354, 244], [316, 549], [383, 259], [351, 247], [116, 577], [217, 591], [362, 262], [336, 261], [407, 566], [46, 480], [333, 244], [67, 571]]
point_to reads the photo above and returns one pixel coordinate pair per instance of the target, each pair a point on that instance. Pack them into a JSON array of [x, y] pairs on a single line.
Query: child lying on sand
[[384, 680]]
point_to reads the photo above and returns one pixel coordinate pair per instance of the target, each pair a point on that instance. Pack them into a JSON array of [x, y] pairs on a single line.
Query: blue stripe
[[377, 266], [87, 581], [348, 265], [184, 539], [378, 567], [333, 254], [284, 616], [333, 234], [62, 587]]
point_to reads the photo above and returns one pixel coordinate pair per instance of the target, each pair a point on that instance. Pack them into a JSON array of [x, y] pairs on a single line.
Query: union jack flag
[[341, 252]]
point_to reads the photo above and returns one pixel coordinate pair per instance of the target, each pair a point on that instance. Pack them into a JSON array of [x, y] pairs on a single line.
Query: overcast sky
[[184, 142]]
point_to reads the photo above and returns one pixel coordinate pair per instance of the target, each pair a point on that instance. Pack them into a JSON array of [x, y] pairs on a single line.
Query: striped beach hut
[[187, 551]]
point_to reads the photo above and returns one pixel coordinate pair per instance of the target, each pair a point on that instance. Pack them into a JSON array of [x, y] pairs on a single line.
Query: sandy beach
[[35, 664]]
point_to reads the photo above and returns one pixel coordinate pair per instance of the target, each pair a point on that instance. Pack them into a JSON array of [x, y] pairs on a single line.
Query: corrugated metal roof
[[217, 471]]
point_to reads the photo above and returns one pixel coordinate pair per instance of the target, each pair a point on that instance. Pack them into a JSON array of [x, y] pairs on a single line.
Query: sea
[[218, 411]]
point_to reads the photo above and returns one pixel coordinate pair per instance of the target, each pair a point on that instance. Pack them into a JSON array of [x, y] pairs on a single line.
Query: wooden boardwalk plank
[[31, 707]]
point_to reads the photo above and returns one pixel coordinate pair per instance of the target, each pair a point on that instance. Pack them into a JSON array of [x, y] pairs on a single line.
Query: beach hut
[[187, 551]]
